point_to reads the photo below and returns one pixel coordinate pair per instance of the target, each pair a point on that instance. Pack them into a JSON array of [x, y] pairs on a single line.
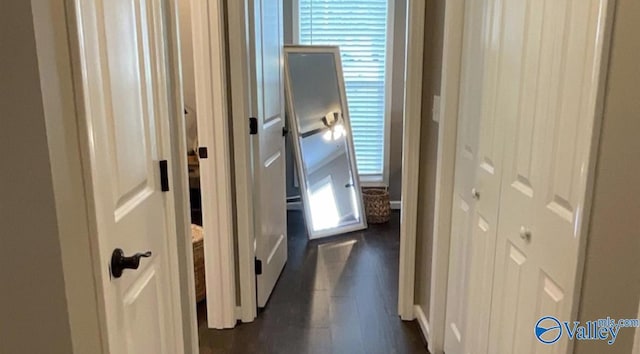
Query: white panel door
[[268, 144], [122, 51], [499, 64], [467, 159], [547, 106]]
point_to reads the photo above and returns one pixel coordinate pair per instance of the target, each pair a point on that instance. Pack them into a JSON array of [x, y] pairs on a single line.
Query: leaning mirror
[[323, 145]]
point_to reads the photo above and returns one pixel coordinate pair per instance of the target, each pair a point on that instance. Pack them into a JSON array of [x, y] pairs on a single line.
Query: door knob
[[475, 194], [119, 262], [525, 234]]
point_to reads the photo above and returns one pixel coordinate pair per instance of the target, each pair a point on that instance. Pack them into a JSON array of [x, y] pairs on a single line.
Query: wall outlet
[[435, 110]]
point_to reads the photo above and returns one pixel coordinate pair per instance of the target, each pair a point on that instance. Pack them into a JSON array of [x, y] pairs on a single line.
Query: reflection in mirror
[[317, 111]]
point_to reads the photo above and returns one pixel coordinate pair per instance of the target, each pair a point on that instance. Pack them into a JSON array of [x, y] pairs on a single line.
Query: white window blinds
[[359, 27]]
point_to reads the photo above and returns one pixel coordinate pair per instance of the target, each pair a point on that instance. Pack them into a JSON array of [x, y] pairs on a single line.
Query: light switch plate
[[436, 109]]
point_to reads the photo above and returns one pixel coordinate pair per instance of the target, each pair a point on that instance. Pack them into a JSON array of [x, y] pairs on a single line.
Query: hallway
[[337, 295]]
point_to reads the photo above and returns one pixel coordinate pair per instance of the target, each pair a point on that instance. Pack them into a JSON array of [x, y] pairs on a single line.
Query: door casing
[[411, 159], [208, 32]]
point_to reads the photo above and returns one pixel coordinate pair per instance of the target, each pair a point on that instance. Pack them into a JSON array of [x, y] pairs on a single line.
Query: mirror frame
[[293, 128]]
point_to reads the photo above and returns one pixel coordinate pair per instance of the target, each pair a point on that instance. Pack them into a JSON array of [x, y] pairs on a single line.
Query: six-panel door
[[548, 110], [514, 248], [466, 195]]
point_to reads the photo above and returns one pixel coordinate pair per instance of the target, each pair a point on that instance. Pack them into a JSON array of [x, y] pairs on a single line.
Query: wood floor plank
[[345, 326]]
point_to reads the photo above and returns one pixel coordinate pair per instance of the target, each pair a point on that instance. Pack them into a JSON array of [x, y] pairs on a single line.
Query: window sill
[[373, 181]]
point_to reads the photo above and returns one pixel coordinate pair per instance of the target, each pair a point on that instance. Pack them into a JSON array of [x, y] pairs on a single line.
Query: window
[[360, 28]]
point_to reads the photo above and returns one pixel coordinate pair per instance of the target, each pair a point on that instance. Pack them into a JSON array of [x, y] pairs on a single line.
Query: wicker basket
[[197, 234], [376, 205]]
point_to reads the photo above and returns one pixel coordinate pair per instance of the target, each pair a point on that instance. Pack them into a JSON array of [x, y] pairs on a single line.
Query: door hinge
[[164, 176], [253, 125], [258, 266], [285, 131], [203, 153]]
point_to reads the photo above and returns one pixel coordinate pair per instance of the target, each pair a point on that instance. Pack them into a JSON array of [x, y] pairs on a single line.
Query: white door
[[547, 105], [268, 143], [488, 177], [122, 50], [464, 198]]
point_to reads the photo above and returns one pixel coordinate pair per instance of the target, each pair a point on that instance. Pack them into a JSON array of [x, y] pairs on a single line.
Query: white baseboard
[[423, 321], [396, 205]]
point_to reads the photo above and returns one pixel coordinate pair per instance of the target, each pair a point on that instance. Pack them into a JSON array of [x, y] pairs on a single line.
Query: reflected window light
[[324, 211]]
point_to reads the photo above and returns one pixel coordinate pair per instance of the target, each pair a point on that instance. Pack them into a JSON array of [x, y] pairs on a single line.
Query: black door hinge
[[164, 176], [253, 125], [285, 131], [203, 153], [258, 266]]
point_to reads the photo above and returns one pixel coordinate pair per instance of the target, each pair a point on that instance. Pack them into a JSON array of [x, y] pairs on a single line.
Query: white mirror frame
[[293, 128]]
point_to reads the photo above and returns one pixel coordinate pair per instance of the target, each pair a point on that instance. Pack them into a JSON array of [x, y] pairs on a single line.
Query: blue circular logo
[[548, 330]]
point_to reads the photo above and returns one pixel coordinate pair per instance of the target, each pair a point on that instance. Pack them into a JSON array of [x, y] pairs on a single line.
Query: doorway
[[238, 300], [238, 109]]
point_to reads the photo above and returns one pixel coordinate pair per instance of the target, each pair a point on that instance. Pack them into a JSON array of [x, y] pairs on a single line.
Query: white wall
[[611, 282], [33, 310]]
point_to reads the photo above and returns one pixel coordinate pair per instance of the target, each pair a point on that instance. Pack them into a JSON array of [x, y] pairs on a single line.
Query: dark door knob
[[119, 262]]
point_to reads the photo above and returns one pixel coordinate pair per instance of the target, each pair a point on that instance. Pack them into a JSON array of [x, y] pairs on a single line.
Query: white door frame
[[414, 64], [445, 166], [240, 90], [215, 171], [82, 285], [67, 125], [239, 69]]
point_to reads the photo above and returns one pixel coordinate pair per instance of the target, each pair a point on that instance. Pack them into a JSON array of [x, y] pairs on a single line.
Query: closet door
[[488, 174], [466, 196], [547, 105]]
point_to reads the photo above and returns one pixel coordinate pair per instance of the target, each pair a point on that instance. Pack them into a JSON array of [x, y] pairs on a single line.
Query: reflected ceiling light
[[334, 133]]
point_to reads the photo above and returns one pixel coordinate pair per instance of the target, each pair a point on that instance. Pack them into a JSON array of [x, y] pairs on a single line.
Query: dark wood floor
[[337, 295]]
